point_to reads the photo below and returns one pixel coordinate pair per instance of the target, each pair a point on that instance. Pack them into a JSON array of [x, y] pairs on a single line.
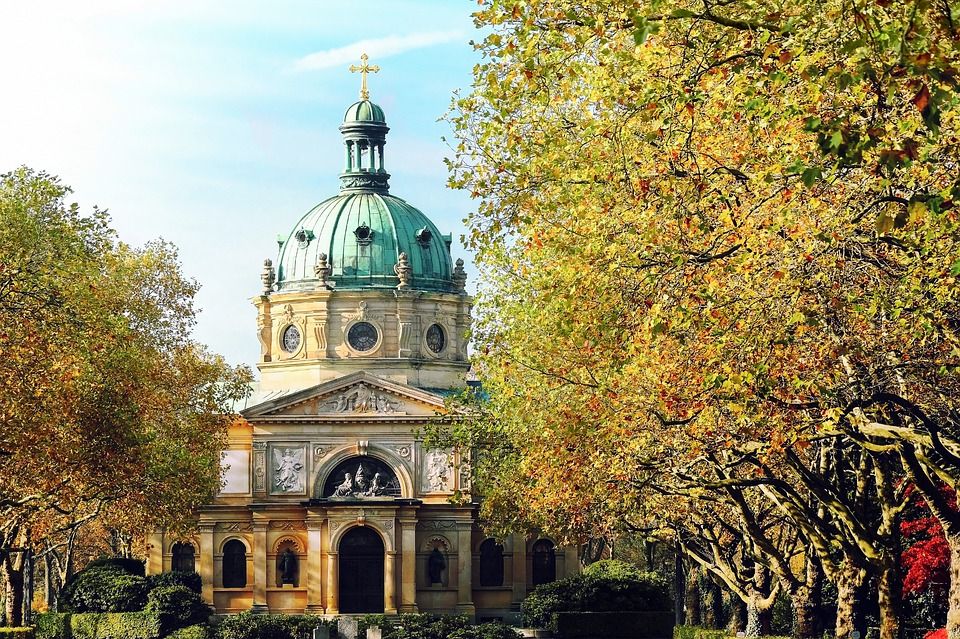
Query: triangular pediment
[[358, 395]]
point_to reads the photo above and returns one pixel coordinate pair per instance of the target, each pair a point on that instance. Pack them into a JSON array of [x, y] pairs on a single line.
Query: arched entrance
[[361, 571]]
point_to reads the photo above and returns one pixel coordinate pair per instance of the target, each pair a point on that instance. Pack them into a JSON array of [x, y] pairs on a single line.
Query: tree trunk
[[888, 596], [953, 612], [806, 601], [713, 615], [678, 588], [13, 590], [849, 604], [738, 614], [754, 622], [692, 597]]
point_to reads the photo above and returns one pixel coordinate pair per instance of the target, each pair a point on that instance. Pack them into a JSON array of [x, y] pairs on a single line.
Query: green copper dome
[[355, 239], [364, 111], [362, 235]]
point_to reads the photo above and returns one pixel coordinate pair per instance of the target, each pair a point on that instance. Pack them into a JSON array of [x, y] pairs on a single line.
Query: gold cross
[[364, 69]]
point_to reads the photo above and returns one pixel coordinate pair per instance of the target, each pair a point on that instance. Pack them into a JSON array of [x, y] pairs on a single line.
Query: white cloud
[[378, 48]]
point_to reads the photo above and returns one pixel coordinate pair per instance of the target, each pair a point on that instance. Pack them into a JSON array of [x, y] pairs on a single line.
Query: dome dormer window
[[424, 236], [304, 237], [364, 234]]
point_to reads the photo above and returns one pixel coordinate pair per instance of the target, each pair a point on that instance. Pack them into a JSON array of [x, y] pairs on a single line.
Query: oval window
[[362, 336], [291, 338], [436, 340]]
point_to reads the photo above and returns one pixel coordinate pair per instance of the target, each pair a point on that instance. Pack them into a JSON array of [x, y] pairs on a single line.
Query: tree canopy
[[108, 403], [721, 252]]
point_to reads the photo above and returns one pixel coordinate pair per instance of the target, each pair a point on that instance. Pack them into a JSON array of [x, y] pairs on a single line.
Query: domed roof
[[362, 234], [364, 111]]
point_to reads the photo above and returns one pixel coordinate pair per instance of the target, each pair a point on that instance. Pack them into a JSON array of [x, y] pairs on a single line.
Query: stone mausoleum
[[331, 504]]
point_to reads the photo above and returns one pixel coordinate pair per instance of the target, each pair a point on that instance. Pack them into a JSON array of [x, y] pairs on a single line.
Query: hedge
[[696, 632], [198, 631], [177, 607], [613, 625], [247, 625], [594, 593], [104, 589], [98, 625], [25, 632]]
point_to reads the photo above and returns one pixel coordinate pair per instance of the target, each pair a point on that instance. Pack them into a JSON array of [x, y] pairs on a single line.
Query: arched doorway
[[361, 571], [544, 562]]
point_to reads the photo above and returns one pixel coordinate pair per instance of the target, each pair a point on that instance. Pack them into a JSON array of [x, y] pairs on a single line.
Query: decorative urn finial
[[459, 276], [323, 270], [268, 276], [404, 272]]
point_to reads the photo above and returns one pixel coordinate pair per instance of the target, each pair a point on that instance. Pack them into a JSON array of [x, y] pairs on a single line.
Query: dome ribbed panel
[[394, 224]]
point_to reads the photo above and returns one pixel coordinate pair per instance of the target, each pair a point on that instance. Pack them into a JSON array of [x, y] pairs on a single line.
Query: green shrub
[[115, 625], [177, 606], [104, 589], [416, 626], [198, 631], [190, 580], [489, 630], [53, 625], [616, 569], [696, 632], [590, 593], [25, 632], [250, 626], [131, 566]]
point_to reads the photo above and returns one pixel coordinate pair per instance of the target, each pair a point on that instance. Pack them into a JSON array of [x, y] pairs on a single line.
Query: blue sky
[[214, 124]]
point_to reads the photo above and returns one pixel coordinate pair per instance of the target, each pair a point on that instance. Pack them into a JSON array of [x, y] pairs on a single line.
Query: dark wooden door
[[361, 571]]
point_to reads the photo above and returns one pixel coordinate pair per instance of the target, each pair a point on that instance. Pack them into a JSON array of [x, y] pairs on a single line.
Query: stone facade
[[331, 504]]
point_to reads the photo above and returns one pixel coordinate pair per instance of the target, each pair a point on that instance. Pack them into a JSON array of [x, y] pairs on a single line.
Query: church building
[[331, 503]]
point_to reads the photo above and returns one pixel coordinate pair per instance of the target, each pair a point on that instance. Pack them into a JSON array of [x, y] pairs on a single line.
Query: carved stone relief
[[403, 451], [361, 398], [287, 525], [288, 470], [436, 524], [259, 467], [233, 526], [437, 472], [319, 452]]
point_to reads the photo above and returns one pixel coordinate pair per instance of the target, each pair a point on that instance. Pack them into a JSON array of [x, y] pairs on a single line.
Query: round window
[[436, 340], [362, 336], [291, 338]]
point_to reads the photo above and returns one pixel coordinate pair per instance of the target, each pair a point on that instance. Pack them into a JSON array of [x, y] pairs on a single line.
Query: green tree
[[712, 227], [107, 402]]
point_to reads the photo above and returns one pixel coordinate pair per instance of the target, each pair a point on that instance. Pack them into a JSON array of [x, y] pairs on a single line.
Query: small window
[[291, 339], [184, 558], [436, 339], [544, 562], [491, 563], [234, 564], [362, 336]]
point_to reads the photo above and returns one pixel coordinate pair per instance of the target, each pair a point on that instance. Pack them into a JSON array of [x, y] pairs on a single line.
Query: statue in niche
[[435, 565], [288, 462], [404, 272], [437, 463], [287, 567]]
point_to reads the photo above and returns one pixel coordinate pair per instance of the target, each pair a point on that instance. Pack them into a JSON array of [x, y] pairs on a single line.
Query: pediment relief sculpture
[[361, 398]]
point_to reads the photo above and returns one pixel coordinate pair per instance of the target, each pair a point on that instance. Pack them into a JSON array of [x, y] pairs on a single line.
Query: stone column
[[519, 571], [408, 565], [333, 587], [314, 573], [571, 561], [465, 569], [259, 567], [389, 583], [206, 561], [155, 553]]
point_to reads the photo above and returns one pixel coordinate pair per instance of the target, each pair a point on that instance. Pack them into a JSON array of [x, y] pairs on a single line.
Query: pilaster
[[408, 564], [206, 561], [465, 569], [390, 583], [519, 571], [155, 553], [314, 567], [259, 567], [333, 590]]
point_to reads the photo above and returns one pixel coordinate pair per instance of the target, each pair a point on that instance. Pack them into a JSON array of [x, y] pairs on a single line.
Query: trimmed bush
[[189, 580], [115, 625], [25, 632], [416, 626], [104, 589], [489, 630], [177, 607], [613, 625], [53, 625], [249, 626], [127, 565], [590, 593], [616, 569], [198, 631]]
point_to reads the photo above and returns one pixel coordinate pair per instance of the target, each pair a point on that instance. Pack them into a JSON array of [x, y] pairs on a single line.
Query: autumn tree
[[711, 225], [107, 402]]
